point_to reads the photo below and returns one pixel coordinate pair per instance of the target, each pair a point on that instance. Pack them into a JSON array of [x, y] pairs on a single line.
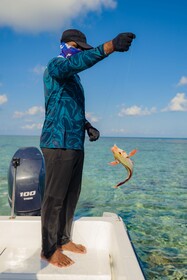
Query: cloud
[[118, 131], [38, 16], [33, 126], [35, 110], [136, 111], [3, 99], [92, 118], [183, 81], [38, 69], [177, 104]]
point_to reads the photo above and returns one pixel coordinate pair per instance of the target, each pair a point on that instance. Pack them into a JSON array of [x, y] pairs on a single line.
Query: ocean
[[153, 203]]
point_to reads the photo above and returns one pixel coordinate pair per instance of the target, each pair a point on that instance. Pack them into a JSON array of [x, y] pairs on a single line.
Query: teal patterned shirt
[[64, 124]]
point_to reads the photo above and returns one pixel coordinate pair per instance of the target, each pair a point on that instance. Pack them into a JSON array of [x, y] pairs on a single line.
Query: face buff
[[67, 51]]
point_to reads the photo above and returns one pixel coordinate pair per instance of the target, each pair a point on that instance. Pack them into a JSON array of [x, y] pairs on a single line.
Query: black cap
[[75, 36]]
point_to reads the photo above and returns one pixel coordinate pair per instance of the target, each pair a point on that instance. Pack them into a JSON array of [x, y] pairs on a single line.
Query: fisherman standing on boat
[[62, 138]]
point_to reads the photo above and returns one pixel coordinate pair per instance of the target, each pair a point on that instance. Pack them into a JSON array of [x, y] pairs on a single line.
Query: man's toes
[[65, 260], [81, 248]]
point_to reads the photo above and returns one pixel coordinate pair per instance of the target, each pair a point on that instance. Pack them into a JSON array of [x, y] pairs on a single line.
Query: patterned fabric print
[[67, 51], [64, 125]]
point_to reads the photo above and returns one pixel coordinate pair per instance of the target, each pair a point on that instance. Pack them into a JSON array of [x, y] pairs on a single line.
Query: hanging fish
[[123, 158]]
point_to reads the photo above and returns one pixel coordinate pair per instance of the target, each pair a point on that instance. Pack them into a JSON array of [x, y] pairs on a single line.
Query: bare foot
[[58, 259], [72, 247]]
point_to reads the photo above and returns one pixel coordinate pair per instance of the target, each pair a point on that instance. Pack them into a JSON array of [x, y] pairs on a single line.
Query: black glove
[[123, 41], [93, 133]]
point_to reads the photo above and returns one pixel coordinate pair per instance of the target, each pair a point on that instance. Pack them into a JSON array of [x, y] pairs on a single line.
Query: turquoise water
[[153, 204]]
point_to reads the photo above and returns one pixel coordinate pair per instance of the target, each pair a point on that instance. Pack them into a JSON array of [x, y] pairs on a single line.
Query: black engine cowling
[[27, 173]]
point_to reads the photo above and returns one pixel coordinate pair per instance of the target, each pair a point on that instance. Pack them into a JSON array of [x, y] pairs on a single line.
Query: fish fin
[[114, 162], [133, 152]]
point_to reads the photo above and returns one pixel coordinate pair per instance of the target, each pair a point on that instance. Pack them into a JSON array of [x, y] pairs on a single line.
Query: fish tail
[[127, 179], [121, 183]]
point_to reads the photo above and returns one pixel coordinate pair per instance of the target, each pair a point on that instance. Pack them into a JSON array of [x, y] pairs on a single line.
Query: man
[[62, 138]]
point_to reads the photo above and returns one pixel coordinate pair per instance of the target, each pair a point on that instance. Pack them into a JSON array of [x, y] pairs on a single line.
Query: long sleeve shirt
[[64, 124]]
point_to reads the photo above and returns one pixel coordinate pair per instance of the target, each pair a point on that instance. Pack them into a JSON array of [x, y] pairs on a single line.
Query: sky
[[139, 93]]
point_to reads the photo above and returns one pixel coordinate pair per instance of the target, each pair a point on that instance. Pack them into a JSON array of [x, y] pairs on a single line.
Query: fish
[[122, 157]]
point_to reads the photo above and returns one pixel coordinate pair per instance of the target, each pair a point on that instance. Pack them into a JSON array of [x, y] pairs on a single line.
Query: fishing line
[[124, 89], [129, 63], [122, 80]]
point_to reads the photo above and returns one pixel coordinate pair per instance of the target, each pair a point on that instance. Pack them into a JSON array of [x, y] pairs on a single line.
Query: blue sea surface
[[153, 203]]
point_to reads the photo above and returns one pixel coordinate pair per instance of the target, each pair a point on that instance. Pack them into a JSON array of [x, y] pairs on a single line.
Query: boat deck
[[24, 263], [110, 255]]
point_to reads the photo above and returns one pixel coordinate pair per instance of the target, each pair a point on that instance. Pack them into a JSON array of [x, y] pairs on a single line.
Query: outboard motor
[[26, 180]]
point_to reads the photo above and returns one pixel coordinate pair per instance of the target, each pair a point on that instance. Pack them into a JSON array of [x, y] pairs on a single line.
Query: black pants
[[62, 189]]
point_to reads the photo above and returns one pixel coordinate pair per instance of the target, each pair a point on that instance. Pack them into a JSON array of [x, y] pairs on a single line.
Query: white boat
[[110, 254]]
